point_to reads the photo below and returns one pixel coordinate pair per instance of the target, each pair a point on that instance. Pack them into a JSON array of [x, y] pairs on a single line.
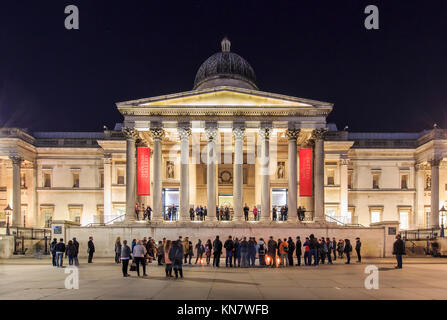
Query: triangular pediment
[[223, 97]]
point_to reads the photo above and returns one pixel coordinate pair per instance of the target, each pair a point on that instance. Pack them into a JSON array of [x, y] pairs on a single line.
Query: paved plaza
[[421, 278]]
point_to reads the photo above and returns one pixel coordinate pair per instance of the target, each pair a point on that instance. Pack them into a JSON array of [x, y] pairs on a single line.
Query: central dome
[[225, 69]]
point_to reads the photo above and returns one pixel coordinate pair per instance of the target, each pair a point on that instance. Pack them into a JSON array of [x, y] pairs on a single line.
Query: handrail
[[104, 223], [343, 223]]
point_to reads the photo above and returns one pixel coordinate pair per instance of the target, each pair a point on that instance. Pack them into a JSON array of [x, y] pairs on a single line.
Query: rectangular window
[[330, 177], [75, 213], [120, 176], [47, 180], [404, 217], [376, 216], [75, 179], [47, 216], [404, 181], [376, 177]]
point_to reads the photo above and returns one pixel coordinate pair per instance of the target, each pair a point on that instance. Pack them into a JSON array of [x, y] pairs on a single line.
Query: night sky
[[392, 79]]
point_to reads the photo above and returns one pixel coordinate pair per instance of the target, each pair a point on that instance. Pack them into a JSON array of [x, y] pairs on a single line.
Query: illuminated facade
[[225, 143]]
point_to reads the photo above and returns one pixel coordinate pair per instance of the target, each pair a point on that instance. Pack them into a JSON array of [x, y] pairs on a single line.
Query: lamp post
[[8, 212], [442, 212]]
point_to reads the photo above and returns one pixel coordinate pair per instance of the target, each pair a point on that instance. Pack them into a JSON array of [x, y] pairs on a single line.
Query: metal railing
[[102, 224], [421, 234], [343, 221]]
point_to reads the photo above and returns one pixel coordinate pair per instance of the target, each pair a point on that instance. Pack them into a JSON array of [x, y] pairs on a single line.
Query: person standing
[[283, 251], [330, 247], [137, 211], [358, 246], [168, 262], [139, 254], [176, 256], [185, 249], [190, 252], [191, 213], [348, 250], [60, 250], [306, 246], [91, 249], [274, 213], [261, 252], [255, 213], [75, 258], [340, 248], [246, 210], [118, 250], [205, 213], [334, 248], [298, 251], [398, 250], [160, 252], [251, 252], [217, 213], [271, 250], [70, 251], [217, 245], [229, 246], [125, 257], [291, 249], [149, 212], [199, 249], [313, 247], [208, 249], [237, 253], [244, 252], [53, 251]]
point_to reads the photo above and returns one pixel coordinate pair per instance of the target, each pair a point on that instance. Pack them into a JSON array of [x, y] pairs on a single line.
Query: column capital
[[319, 134], [157, 133], [435, 162], [184, 133], [16, 159], [130, 133], [292, 134], [107, 158], [238, 133], [344, 161], [211, 133], [421, 166], [264, 133]]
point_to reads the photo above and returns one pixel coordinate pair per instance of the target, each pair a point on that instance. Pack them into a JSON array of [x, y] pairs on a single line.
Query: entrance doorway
[[170, 196], [225, 200], [279, 197]]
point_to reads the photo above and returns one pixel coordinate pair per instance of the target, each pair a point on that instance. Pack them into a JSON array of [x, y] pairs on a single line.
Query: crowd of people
[[238, 252], [59, 250]]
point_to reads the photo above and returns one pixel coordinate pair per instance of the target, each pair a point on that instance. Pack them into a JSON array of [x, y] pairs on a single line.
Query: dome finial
[[226, 44]]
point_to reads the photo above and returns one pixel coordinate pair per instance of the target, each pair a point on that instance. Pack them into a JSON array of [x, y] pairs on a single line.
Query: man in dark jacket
[[60, 250], [291, 248], [244, 252], [229, 246], [334, 247], [298, 251], [217, 245], [246, 211], [237, 253], [176, 256], [53, 251], [271, 250], [91, 249], [313, 250], [398, 250], [358, 246], [76, 244]]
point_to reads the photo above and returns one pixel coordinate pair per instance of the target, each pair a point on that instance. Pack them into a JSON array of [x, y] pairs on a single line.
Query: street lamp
[[8, 212], [442, 212]]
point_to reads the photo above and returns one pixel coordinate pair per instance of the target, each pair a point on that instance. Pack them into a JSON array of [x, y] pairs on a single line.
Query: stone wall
[[374, 242]]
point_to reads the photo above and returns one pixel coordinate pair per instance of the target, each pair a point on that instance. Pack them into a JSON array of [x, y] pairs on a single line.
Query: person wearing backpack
[[291, 248], [53, 251]]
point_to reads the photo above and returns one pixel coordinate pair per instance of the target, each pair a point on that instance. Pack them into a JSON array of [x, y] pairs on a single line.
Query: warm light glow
[[225, 98]]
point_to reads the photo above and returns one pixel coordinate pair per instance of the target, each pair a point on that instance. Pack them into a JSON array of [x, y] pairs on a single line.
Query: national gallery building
[[225, 143]]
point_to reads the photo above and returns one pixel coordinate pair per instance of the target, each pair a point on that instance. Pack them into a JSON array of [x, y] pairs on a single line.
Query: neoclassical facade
[[224, 143]]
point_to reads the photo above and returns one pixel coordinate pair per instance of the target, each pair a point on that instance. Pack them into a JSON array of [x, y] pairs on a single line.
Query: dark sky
[[392, 79]]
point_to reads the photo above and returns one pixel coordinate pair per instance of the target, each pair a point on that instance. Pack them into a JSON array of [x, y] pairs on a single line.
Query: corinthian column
[[434, 215], [264, 136], [318, 137], [292, 135], [131, 135], [184, 134], [157, 207], [211, 133], [16, 192], [238, 172]]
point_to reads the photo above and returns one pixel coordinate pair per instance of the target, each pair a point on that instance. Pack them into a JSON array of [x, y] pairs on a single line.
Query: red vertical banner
[[143, 171], [305, 172]]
